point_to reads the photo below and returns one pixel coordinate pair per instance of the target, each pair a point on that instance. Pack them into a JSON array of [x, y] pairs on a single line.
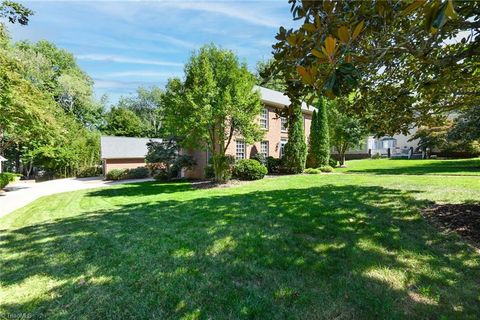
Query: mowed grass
[[293, 247], [414, 167]]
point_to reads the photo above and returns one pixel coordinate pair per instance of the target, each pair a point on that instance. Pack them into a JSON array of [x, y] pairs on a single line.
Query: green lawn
[[293, 247], [416, 167]]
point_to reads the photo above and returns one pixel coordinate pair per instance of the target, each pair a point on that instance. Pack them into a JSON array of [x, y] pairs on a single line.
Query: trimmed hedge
[[326, 169], [116, 174], [311, 171], [138, 173], [332, 162], [249, 169], [6, 178], [274, 165], [89, 172]]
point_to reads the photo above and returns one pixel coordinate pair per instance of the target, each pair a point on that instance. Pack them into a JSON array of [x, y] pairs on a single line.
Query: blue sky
[[126, 44]]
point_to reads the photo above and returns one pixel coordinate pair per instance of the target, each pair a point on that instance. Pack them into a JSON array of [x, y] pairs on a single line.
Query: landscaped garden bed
[[463, 219]]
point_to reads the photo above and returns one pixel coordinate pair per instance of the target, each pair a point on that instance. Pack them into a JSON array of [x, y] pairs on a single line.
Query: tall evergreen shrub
[[296, 148], [319, 146]]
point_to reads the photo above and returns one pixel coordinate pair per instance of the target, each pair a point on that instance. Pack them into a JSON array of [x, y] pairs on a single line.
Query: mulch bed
[[463, 219]]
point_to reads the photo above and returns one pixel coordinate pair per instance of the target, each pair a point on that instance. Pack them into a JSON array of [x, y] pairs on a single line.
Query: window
[[283, 142], [283, 124], [264, 148], [264, 119], [389, 143], [240, 150]]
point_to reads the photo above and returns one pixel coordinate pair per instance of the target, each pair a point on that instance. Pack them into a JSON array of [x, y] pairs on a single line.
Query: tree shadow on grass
[[465, 167], [149, 188], [323, 252]]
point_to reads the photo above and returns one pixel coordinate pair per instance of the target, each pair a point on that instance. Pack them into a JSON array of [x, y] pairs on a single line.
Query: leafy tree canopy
[[346, 130], [123, 122], [215, 103], [410, 60], [147, 104]]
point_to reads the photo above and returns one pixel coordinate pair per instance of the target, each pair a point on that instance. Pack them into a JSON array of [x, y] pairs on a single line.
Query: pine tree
[[319, 146], [296, 148]]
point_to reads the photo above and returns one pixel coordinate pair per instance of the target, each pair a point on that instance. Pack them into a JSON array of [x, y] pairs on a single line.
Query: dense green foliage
[[319, 143], [90, 172], [312, 171], [120, 121], [450, 137], [268, 249], [134, 173], [295, 152], [147, 105], [48, 115], [165, 161], [6, 178], [275, 165], [116, 174], [215, 102], [346, 130], [467, 126], [249, 169], [405, 58], [326, 168]]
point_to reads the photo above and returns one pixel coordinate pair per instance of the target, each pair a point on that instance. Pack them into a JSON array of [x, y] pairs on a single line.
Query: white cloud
[[123, 59], [142, 74], [248, 12]]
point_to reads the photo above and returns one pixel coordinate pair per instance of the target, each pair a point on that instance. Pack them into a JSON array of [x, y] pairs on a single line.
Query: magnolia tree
[[215, 103], [416, 59]]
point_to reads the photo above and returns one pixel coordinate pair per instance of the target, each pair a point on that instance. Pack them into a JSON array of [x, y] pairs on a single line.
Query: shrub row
[[318, 170], [249, 169], [245, 169], [90, 172], [6, 178], [120, 174]]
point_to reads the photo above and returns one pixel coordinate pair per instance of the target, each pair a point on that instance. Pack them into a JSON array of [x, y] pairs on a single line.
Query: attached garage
[[123, 152]]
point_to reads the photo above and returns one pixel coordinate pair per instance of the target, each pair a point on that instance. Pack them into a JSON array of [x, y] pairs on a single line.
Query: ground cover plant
[[305, 246]]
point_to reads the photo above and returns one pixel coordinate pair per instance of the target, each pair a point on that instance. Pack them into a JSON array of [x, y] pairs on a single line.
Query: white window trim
[[267, 122], [283, 142], [236, 149], [267, 153], [281, 126]]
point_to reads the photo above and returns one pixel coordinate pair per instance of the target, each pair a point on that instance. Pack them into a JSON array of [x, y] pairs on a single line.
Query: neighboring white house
[[398, 144]]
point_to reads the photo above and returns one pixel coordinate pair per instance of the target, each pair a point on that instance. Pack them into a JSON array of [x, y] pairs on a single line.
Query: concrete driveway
[[21, 193]]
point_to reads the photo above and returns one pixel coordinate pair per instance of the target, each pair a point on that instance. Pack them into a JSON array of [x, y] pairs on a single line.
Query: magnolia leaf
[[330, 82], [440, 18], [358, 29], [450, 10], [327, 6], [292, 39], [330, 46], [309, 27], [305, 74], [413, 6], [344, 34], [317, 53]]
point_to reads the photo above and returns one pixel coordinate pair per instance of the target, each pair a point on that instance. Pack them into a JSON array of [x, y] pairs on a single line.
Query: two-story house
[[123, 152], [274, 140]]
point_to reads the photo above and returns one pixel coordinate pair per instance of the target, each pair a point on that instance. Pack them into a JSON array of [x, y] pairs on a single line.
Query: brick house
[[122, 152]]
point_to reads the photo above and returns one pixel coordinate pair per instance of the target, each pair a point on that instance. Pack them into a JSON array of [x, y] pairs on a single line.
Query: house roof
[[279, 99], [124, 147]]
